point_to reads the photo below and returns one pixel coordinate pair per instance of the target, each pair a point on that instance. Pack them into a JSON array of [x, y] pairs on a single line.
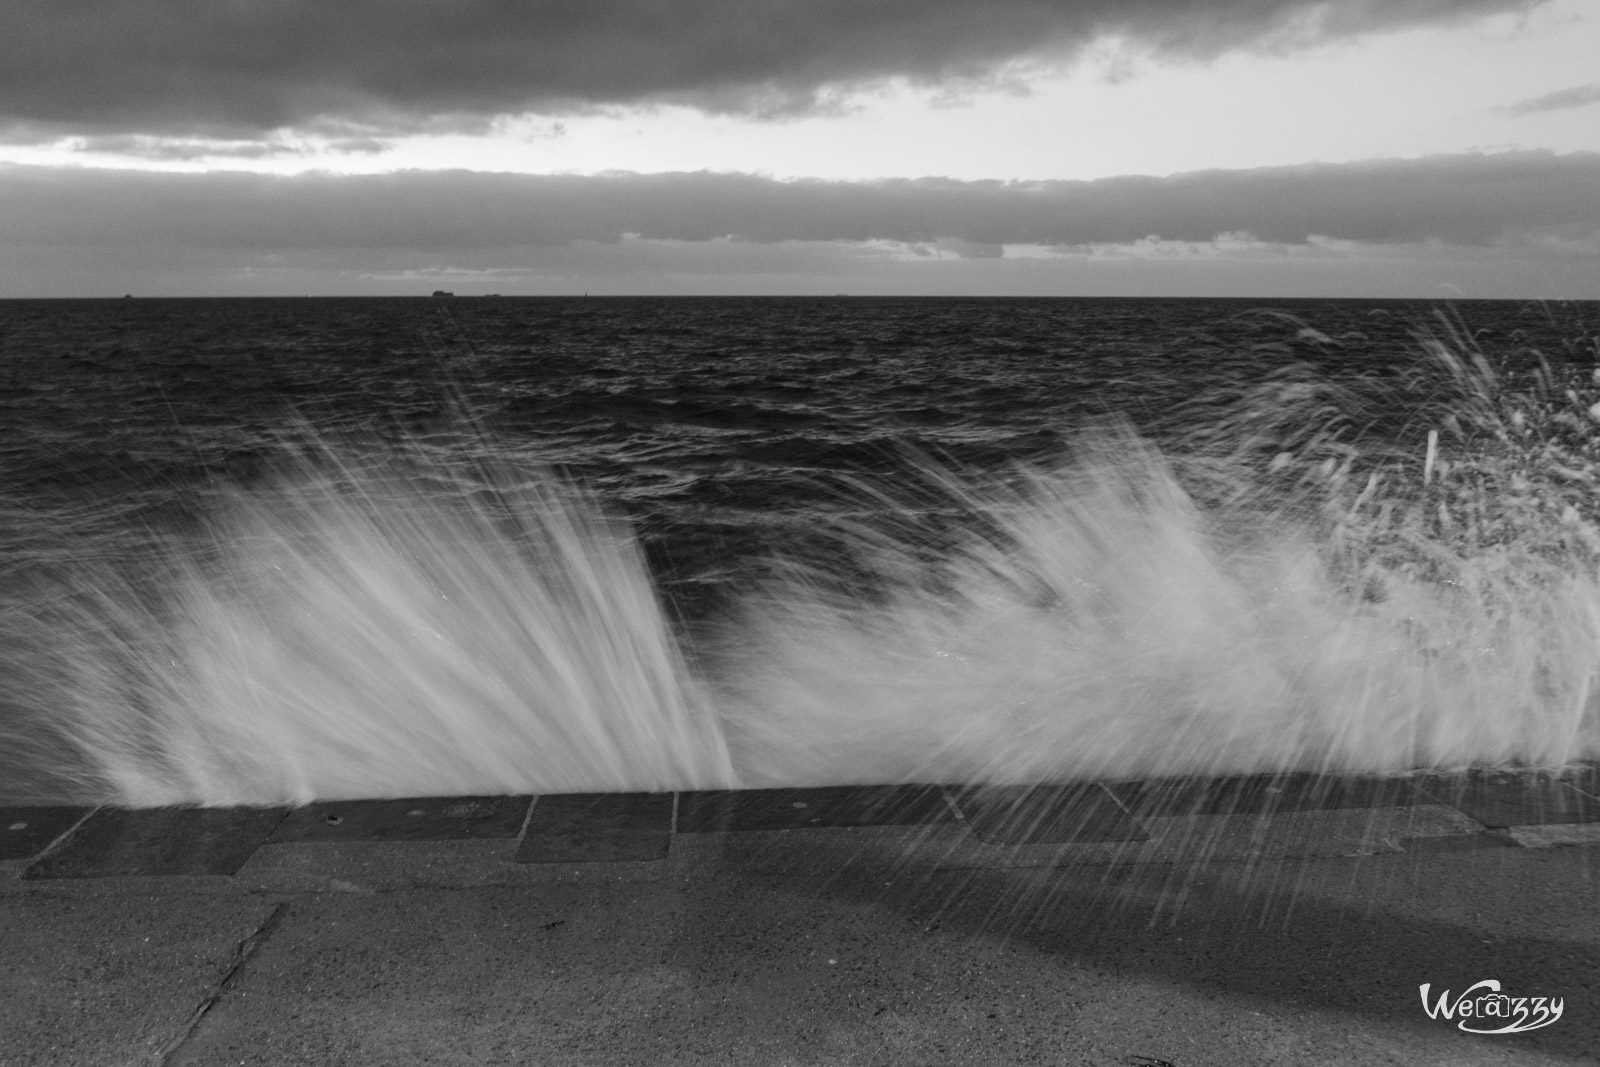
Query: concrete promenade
[[1282, 920]]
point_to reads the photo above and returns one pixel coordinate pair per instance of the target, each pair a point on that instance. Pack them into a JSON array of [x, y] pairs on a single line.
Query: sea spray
[[391, 628], [1108, 627], [1279, 586]]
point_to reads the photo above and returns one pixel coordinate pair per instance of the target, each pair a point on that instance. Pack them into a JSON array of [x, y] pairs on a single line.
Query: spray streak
[[1113, 629], [370, 633]]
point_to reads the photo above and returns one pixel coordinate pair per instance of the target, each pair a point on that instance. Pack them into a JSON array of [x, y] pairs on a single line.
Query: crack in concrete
[[170, 1055]]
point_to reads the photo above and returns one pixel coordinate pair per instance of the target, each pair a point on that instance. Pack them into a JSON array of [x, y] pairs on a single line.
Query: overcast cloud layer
[[203, 66], [1577, 96], [1468, 200]]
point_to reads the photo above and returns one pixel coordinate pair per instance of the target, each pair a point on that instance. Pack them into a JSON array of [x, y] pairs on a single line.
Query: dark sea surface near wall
[[685, 411]]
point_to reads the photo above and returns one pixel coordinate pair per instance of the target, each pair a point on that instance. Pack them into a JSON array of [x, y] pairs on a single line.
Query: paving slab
[[26, 831], [114, 978], [1050, 814], [1339, 832], [795, 809], [116, 842], [1501, 799], [1263, 794], [598, 828], [410, 819], [391, 866], [1584, 778]]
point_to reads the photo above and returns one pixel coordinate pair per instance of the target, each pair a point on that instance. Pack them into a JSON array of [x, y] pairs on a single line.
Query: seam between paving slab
[[172, 1051], [992, 826]]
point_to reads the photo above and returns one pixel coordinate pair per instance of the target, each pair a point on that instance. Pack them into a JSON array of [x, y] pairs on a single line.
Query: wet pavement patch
[[598, 828], [1047, 814], [1499, 799], [410, 819], [1430, 843], [1585, 779], [28, 831], [804, 809], [114, 842], [1262, 794]]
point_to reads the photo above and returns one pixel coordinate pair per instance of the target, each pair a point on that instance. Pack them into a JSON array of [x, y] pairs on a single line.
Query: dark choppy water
[[721, 427], [693, 414]]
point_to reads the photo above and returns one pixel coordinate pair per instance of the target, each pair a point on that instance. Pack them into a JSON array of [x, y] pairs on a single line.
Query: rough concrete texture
[[114, 978], [839, 946]]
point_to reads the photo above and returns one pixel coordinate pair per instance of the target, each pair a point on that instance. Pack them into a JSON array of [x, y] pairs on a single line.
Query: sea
[[276, 550]]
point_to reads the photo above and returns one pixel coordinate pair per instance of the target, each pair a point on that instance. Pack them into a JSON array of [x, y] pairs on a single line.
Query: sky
[[1261, 148]]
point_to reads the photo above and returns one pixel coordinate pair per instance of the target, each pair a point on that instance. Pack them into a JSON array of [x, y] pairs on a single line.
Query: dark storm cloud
[[203, 66], [1577, 96], [1462, 200]]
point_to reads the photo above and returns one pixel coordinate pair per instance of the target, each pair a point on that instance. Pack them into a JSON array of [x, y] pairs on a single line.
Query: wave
[[361, 629], [1276, 588]]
